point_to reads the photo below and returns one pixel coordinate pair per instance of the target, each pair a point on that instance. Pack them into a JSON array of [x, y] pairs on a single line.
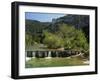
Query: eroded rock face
[[78, 21]]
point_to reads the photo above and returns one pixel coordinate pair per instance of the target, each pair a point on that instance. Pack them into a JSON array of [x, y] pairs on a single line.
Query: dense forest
[[70, 32]]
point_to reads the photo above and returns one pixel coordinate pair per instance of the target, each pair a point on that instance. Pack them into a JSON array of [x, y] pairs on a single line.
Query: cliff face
[[78, 21]]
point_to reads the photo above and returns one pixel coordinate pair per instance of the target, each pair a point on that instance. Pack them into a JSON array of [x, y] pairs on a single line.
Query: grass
[[54, 62]]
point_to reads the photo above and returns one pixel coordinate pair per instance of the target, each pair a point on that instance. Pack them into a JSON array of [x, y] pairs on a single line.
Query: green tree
[[73, 38], [52, 40], [81, 41], [28, 40]]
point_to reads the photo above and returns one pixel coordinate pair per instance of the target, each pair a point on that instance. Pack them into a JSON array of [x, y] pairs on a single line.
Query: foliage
[[52, 40], [67, 37], [81, 41], [70, 32], [29, 40], [72, 38]]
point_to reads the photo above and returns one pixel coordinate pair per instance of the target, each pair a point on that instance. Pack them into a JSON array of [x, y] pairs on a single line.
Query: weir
[[49, 54]]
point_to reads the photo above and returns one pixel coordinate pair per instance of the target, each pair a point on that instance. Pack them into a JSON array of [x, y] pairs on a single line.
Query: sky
[[43, 17]]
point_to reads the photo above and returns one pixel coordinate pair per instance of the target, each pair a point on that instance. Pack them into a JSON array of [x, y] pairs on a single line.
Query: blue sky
[[43, 17]]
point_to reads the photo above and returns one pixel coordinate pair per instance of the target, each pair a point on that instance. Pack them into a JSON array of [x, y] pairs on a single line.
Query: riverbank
[[54, 62]]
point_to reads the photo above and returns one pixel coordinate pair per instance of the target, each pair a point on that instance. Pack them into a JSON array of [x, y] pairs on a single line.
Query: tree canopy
[[67, 37], [52, 40]]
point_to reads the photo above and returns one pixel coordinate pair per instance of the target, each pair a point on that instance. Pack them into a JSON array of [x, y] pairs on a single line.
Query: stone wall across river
[[43, 54]]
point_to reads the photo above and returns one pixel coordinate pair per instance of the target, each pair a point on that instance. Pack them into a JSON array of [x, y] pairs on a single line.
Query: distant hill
[[34, 27], [78, 21]]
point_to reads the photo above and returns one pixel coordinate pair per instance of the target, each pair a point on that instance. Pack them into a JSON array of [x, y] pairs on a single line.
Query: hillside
[[78, 21]]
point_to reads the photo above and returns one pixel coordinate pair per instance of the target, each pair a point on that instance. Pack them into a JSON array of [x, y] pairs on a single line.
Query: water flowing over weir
[[33, 54], [50, 54]]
